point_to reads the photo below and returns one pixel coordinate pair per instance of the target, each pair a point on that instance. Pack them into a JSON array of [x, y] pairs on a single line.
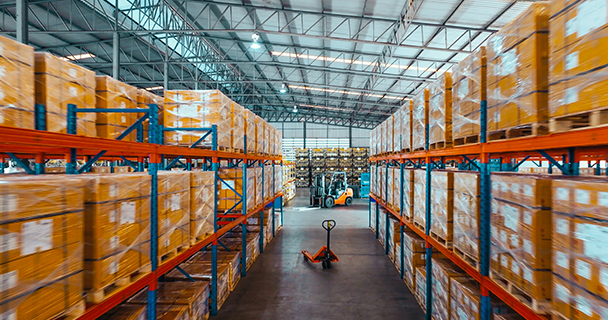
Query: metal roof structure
[[341, 62]]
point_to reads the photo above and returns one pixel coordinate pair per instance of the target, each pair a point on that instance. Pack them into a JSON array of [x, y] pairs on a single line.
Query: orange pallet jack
[[324, 255]]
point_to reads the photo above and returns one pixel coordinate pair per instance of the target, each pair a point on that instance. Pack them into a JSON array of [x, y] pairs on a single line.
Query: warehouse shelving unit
[[21, 145], [563, 151]]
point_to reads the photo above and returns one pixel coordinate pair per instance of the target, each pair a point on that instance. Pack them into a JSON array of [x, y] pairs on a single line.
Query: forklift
[[326, 195]]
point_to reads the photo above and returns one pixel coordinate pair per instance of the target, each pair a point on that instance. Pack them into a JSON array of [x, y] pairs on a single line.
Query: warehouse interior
[[319, 159]]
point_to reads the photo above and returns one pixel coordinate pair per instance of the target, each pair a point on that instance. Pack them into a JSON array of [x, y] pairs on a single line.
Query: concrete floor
[[363, 285]]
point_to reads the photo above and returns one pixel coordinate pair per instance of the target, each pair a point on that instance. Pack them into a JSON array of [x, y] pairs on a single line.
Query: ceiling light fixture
[[154, 88], [373, 95], [255, 45], [79, 57], [283, 88], [349, 61], [295, 109], [342, 109]]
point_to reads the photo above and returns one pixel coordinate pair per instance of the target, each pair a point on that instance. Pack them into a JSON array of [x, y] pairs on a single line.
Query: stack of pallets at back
[[360, 163], [317, 161], [302, 168]]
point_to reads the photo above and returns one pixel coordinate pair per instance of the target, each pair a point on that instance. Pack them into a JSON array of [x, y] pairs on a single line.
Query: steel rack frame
[[20, 145], [562, 150]]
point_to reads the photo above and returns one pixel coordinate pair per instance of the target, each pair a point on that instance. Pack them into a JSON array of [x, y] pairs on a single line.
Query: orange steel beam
[[485, 282]]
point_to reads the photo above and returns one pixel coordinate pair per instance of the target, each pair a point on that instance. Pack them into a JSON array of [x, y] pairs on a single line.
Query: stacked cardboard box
[[113, 94], [230, 258], [577, 62], [233, 179], [173, 211], [390, 186], [201, 204], [201, 273], [580, 262], [144, 99], [394, 237], [466, 216], [17, 85], [465, 298], [405, 118], [372, 217], [126, 312], [260, 136], [420, 119], [193, 295], [521, 234], [250, 128], [440, 112], [414, 256], [421, 286], [268, 187], [197, 109], [442, 205], [42, 241], [420, 198], [397, 189], [59, 83], [444, 271], [518, 73], [237, 126], [234, 242], [469, 89], [116, 229]]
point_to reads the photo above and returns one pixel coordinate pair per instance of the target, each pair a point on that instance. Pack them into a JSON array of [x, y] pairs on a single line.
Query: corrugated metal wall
[[321, 135]]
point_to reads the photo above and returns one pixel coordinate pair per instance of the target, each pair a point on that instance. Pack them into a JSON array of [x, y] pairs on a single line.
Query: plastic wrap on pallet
[[443, 272], [408, 193], [382, 226], [58, 83], [173, 211], [405, 126], [237, 126], [372, 142], [234, 242], [278, 178], [577, 62], [469, 89], [125, 312], [192, 294], [201, 204], [440, 109], [144, 99], [278, 142], [268, 182], [414, 256], [520, 236], [258, 186], [518, 71], [466, 213], [172, 312], [421, 286], [394, 236], [250, 128], [116, 229], [420, 197], [397, 189], [197, 109], [373, 180], [17, 85], [231, 258], [233, 181], [42, 245], [382, 182], [372, 217], [260, 135], [465, 302], [397, 122], [269, 137], [420, 115], [113, 94], [390, 181], [201, 272], [580, 260]]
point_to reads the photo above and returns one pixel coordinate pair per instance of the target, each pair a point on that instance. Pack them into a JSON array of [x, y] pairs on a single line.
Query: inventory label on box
[[8, 280], [36, 236], [127, 212], [9, 315], [9, 242]]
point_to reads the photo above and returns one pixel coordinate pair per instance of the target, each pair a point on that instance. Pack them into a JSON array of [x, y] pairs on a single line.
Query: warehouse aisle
[[363, 285]]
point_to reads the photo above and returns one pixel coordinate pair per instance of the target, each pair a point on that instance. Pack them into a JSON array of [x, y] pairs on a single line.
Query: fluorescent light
[[154, 88], [79, 56], [374, 95], [295, 109], [342, 109], [349, 61], [255, 46], [283, 88]]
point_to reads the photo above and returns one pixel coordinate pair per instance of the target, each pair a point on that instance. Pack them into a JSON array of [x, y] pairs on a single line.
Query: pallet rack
[[562, 150], [24, 144]]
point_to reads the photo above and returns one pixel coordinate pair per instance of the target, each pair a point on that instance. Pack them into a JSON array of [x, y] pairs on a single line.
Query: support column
[[304, 134], [350, 136], [116, 44], [166, 74], [22, 25]]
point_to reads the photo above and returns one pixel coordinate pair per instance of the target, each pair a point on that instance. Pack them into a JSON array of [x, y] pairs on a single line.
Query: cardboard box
[[237, 126], [420, 198], [443, 272], [173, 211], [250, 128], [17, 87], [440, 110], [442, 204], [231, 258], [193, 295], [113, 94], [465, 298], [469, 89], [201, 204], [467, 213], [420, 118]]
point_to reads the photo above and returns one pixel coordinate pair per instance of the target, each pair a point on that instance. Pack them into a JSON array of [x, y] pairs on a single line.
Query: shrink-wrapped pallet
[[144, 99], [173, 212], [230, 258], [117, 230], [580, 263], [125, 312], [250, 128], [405, 127], [172, 312], [268, 182], [113, 94], [518, 75], [398, 188], [421, 286], [440, 112], [468, 90], [17, 85], [237, 127], [260, 136], [442, 206], [408, 193], [414, 256], [382, 226], [234, 242], [394, 236], [521, 235], [192, 294], [269, 132], [396, 119], [372, 142], [197, 109], [59, 83], [578, 81], [420, 198], [420, 116], [390, 181], [278, 179], [466, 216], [201, 204], [443, 272], [201, 273], [259, 185], [372, 217], [465, 298], [42, 241], [231, 180]]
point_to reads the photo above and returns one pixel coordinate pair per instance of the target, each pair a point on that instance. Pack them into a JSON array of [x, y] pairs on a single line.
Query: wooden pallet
[[173, 253], [444, 242], [467, 258], [198, 239], [440, 145], [558, 316], [466, 140], [407, 150], [421, 227], [538, 306], [418, 149], [99, 295], [73, 312], [580, 120], [232, 150], [534, 129]]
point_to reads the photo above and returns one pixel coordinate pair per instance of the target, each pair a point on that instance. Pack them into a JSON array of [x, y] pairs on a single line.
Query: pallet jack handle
[[328, 225]]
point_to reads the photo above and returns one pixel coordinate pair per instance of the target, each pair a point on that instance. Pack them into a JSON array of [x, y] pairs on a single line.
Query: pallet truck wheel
[[348, 201], [324, 265], [328, 264]]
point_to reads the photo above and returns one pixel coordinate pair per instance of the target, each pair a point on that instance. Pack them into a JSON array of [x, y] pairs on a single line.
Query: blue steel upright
[[153, 172], [484, 216], [429, 249], [387, 220], [243, 225], [274, 231], [402, 210]]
